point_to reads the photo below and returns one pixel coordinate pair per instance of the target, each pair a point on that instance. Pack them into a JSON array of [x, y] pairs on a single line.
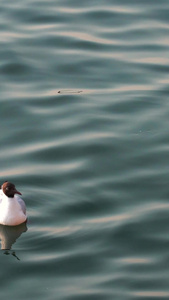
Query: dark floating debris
[[69, 92]]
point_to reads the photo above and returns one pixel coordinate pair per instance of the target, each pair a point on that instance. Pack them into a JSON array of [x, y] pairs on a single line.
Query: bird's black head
[[9, 189]]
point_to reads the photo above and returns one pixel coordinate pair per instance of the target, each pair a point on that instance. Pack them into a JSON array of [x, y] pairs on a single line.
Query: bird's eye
[[7, 188]]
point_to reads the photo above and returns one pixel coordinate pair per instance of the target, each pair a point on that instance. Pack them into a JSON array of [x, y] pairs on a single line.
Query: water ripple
[[84, 136]]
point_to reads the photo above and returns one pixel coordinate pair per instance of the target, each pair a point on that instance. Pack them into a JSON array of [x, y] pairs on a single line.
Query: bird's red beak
[[17, 192]]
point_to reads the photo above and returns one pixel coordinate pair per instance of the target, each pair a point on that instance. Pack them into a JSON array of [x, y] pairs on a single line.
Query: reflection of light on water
[[151, 294], [9, 235], [135, 260]]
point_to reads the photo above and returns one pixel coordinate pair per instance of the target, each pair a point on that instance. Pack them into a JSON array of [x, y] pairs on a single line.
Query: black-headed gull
[[12, 207]]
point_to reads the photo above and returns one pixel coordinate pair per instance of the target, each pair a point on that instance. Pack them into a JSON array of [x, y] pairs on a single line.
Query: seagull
[[12, 207]]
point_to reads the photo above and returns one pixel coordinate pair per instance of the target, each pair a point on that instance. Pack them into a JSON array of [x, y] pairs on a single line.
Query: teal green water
[[84, 114]]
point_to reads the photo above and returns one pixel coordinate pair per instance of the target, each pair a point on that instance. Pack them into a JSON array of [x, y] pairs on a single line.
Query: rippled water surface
[[84, 114]]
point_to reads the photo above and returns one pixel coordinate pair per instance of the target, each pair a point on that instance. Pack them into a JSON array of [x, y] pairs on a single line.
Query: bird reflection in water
[[9, 235]]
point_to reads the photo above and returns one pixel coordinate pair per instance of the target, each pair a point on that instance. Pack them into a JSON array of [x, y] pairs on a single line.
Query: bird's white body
[[12, 210]]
